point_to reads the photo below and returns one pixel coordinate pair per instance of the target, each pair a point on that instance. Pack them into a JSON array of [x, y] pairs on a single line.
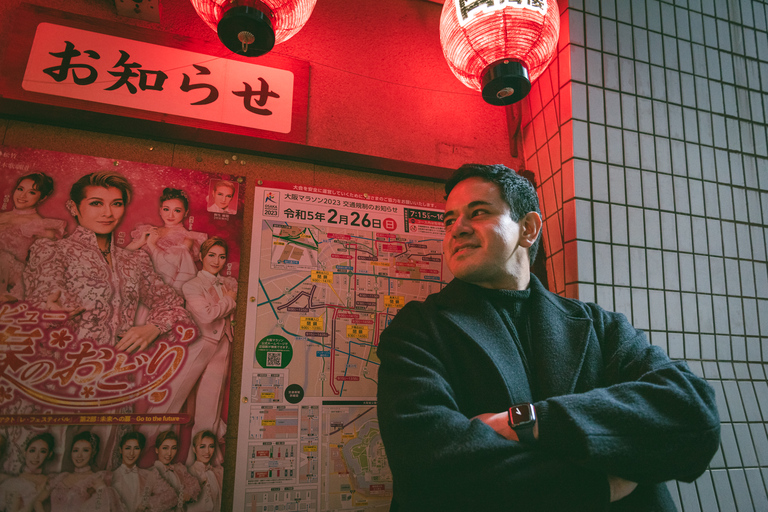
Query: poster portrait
[[117, 295]]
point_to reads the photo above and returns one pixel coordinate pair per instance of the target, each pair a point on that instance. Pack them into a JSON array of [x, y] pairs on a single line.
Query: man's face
[[481, 243], [222, 196]]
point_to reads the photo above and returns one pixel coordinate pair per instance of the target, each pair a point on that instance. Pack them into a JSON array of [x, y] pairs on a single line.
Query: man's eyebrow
[[479, 202]]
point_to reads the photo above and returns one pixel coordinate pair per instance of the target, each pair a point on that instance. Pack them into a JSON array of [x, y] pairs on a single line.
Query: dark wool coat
[[608, 403]]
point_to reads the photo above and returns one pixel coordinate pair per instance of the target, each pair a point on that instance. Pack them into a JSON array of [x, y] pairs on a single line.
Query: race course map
[[331, 291], [329, 271]]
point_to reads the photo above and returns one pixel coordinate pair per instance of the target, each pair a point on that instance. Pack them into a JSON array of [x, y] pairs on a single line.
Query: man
[[495, 394]]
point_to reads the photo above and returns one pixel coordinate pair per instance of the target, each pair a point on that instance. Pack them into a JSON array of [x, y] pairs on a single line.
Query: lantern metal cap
[[246, 31], [505, 82]]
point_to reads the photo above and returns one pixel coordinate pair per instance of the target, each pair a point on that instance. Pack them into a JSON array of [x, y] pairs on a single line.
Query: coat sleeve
[[443, 460], [653, 420]]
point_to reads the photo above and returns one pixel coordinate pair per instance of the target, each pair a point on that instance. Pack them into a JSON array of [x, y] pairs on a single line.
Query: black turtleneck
[[512, 307]]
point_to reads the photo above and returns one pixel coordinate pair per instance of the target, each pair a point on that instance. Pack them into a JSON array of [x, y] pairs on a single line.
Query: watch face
[[520, 414]]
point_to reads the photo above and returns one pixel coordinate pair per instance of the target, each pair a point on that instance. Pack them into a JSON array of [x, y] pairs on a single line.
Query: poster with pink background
[[118, 285]]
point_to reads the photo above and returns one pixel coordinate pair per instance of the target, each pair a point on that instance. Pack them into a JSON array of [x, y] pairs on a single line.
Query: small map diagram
[[356, 472], [274, 422]]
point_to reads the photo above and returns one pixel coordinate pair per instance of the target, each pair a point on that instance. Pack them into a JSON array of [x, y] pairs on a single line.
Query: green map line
[[269, 301], [313, 236], [294, 241]]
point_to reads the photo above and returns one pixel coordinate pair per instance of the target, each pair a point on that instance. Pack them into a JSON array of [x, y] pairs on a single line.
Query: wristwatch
[[522, 418]]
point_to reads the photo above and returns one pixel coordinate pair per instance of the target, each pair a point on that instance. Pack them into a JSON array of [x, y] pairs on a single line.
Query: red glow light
[[288, 16], [475, 35]]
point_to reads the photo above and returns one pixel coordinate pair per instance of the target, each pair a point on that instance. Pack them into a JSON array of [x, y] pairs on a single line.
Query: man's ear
[[530, 228]]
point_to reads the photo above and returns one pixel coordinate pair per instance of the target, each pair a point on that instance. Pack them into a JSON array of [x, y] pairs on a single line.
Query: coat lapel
[[560, 336], [479, 323]]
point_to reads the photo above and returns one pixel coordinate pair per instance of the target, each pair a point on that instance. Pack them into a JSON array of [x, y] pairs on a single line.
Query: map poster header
[[329, 269], [328, 207]]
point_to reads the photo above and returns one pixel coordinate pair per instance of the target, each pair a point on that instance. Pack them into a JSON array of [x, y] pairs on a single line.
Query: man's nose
[[461, 226]]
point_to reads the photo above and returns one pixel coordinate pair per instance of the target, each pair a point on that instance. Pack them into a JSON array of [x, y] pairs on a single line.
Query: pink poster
[[118, 284]]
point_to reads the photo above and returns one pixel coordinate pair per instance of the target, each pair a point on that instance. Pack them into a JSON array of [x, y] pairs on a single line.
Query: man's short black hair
[[515, 190]]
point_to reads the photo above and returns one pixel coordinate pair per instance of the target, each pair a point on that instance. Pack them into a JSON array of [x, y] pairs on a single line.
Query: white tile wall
[[670, 178]]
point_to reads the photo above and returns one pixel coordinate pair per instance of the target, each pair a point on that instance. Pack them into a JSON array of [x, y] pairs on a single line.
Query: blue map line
[[337, 350], [346, 369]]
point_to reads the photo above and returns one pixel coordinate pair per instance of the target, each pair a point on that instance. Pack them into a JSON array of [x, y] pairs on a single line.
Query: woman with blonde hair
[[187, 487], [210, 477], [211, 299]]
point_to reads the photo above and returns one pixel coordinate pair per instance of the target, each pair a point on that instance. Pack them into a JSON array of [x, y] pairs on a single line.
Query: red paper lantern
[[254, 27], [494, 46]]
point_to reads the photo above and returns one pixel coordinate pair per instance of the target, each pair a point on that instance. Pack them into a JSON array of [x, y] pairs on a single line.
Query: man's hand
[[620, 488], [138, 337], [499, 422]]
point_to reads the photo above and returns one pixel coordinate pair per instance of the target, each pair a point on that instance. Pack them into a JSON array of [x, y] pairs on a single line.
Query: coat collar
[[560, 333]]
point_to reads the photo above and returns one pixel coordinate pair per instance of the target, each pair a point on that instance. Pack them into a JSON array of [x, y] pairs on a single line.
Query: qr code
[[274, 359]]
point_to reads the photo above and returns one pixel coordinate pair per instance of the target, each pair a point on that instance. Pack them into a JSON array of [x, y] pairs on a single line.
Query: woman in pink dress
[[84, 489], [187, 487], [22, 226], [209, 476], [27, 491], [172, 248]]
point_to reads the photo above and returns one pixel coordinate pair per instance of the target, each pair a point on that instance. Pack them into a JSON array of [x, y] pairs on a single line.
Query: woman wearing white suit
[[211, 301]]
